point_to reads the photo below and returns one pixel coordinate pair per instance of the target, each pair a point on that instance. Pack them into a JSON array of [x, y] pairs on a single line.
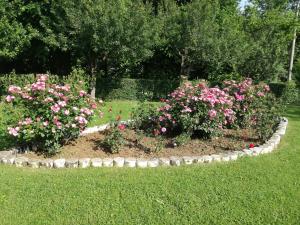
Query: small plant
[[181, 140], [114, 139], [159, 145]]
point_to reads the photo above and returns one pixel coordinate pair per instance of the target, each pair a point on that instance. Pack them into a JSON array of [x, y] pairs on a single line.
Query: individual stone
[[187, 160], [96, 162], [21, 161], [198, 159], [164, 161], [225, 157], [248, 152], [107, 162], [59, 163], [46, 163], [234, 156], [141, 163], [153, 162], [130, 162], [5, 154], [216, 158], [72, 163], [84, 163], [119, 161], [207, 159], [240, 153], [34, 163], [256, 151], [175, 161], [10, 160]]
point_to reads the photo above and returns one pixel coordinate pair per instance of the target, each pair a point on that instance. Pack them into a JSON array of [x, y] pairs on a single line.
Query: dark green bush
[[287, 92], [134, 89]]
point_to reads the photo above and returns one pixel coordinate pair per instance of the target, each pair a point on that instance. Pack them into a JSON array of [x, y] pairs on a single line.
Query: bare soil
[[90, 146]]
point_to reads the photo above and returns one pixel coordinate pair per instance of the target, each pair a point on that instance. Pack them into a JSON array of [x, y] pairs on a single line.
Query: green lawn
[[121, 108], [262, 190]]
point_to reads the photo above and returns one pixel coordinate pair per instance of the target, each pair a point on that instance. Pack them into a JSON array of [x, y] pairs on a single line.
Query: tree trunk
[[293, 46], [93, 68], [183, 65]]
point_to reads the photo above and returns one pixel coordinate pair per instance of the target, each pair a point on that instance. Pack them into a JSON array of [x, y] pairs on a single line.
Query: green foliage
[[53, 114], [134, 89], [9, 115], [287, 92], [144, 117], [113, 140], [181, 139]]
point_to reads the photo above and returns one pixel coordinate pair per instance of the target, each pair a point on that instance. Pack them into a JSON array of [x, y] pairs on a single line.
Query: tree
[[13, 35]]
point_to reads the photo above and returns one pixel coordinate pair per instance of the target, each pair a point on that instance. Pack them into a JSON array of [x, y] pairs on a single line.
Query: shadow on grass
[[293, 112]]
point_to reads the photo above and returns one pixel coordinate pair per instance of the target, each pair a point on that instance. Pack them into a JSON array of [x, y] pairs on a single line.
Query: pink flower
[[38, 86], [86, 111], [42, 77], [55, 108], [94, 106], [27, 121], [81, 120], [239, 97], [212, 114], [62, 103], [82, 93], [267, 88], [161, 118], [122, 127], [46, 123], [48, 99], [9, 98], [163, 130], [14, 89], [67, 112], [13, 131], [260, 94]]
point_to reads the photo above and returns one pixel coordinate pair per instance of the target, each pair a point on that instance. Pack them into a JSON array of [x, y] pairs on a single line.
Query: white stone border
[[9, 157]]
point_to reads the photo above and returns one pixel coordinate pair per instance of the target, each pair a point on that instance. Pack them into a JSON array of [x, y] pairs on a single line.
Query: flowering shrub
[[204, 111], [114, 138], [193, 110], [53, 113], [254, 106]]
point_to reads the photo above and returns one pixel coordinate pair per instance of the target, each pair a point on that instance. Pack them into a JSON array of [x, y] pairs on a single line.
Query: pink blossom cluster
[[53, 110], [246, 96], [196, 105]]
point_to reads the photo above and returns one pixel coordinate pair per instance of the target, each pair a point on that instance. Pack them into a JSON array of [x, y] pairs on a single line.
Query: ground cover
[[260, 190]]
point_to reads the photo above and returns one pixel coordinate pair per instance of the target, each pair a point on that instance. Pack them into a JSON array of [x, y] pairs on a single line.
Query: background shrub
[[287, 92], [134, 89]]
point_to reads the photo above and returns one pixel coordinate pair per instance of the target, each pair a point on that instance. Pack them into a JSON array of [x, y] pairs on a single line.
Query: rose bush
[[204, 111], [196, 110], [254, 106], [53, 114]]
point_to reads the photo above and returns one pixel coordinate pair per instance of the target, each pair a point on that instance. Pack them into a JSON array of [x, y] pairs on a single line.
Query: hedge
[[18, 79], [134, 89], [288, 92]]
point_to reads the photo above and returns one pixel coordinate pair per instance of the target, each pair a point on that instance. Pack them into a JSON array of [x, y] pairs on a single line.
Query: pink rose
[[9, 98], [212, 114]]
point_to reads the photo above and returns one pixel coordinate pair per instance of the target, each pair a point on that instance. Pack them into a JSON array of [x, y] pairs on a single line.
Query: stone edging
[[9, 157]]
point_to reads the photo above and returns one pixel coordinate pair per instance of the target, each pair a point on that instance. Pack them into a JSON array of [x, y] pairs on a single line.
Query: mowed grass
[[262, 190], [111, 110]]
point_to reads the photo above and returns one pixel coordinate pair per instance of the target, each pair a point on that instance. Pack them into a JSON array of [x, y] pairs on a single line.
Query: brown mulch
[[90, 146]]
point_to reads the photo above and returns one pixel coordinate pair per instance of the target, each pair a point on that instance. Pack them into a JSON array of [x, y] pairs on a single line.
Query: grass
[[262, 190], [118, 107]]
